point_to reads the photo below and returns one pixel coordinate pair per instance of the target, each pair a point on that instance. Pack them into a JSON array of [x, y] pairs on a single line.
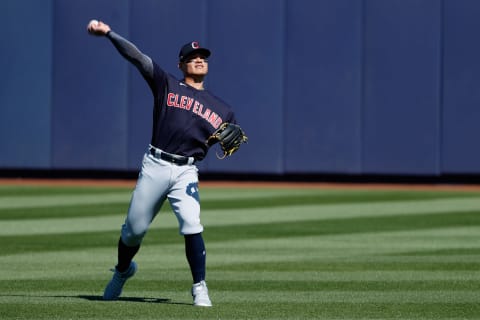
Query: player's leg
[[147, 198], [185, 201]]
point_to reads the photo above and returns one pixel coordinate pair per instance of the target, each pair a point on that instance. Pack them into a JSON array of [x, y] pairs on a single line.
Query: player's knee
[[133, 236], [190, 226]]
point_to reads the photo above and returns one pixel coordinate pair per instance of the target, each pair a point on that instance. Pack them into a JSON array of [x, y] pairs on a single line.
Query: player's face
[[195, 65]]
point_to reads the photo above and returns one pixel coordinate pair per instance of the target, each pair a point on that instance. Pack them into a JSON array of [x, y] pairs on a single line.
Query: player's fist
[[97, 28]]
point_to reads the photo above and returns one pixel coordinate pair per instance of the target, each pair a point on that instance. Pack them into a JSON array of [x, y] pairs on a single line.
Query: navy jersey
[[184, 117]]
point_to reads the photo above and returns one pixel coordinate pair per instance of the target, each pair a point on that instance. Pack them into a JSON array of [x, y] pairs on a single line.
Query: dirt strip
[[245, 184]]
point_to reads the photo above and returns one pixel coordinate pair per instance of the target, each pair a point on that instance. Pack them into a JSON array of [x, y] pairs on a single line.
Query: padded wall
[[402, 87], [247, 71], [322, 90], [89, 125], [461, 94], [26, 83]]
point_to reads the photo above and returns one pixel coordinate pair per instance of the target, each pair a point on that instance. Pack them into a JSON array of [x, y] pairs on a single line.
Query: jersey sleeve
[[158, 83]]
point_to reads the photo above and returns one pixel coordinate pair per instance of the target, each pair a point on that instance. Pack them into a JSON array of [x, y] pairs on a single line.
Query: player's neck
[[196, 82]]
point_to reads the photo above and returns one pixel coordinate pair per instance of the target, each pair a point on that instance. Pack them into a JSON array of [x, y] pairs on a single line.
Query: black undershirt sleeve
[[130, 52]]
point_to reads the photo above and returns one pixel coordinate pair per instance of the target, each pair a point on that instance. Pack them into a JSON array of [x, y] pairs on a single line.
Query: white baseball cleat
[[115, 286], [200, 295]]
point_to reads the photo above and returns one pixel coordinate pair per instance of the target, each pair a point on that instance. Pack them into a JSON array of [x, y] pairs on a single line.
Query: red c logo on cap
[[195, 45]]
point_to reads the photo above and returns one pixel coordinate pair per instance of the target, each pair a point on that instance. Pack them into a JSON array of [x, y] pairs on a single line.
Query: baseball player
[[187, 121]]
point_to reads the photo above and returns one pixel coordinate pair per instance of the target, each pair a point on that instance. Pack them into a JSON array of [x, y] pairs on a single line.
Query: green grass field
[[272, 253]]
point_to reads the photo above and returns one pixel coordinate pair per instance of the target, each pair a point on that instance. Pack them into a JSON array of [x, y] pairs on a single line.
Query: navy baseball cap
[[191, 48]]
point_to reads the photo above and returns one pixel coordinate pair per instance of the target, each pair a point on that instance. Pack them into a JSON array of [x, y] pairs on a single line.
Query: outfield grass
[[273, 253]]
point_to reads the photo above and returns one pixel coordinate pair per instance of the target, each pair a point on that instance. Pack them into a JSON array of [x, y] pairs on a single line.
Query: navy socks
[[194, 250], [196, 256], [125, 255]]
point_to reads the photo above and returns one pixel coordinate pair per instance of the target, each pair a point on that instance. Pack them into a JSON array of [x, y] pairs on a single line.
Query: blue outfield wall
[[402, 72], [320, 86], [26, 83], [322, 93], [460, 83]]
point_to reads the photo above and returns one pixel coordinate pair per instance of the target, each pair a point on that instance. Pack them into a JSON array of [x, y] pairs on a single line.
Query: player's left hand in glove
[[230, 136]]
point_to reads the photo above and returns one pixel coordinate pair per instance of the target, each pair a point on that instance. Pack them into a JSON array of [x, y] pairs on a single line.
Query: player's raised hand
[[97, 28]]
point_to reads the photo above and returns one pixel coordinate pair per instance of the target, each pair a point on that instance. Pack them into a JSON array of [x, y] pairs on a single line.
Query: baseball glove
[[230, 136]]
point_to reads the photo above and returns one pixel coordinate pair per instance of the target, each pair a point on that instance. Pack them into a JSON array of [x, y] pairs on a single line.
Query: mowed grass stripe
[[315, 264], [61, 205], [95, 219], [65, 211], [71, 241], [137, 292], [310, 285], [208, 191], [13, 202], [44, 190], [43, 220], [85, 307]]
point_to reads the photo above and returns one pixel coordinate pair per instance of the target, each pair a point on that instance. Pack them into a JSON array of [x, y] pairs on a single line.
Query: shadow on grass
[[133, 299], [100, 298]]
